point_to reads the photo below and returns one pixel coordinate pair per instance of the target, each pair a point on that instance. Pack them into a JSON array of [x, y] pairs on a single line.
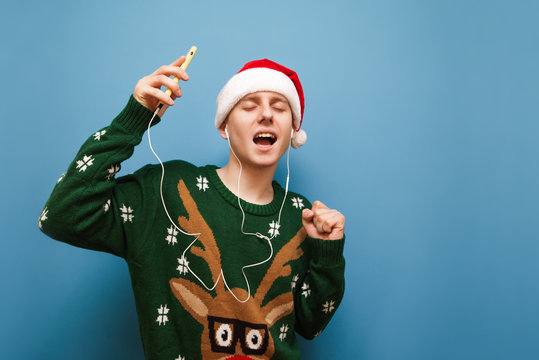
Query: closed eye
[[279, 103]]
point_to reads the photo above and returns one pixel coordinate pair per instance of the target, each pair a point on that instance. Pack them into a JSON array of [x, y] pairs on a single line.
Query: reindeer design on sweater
[[233, 330]]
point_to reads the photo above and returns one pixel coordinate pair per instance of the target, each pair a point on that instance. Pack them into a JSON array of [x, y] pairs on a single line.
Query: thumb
[[307, 214]]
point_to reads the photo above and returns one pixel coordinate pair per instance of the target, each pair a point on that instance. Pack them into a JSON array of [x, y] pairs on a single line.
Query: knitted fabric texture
[[298, 290]]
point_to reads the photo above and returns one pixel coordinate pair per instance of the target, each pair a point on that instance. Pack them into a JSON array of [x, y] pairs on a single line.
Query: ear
[[292, 134], [222, 130], [279, 307], [192, 297]]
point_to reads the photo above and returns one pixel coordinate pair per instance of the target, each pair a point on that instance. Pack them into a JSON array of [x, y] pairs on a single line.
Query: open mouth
[[266, 139]]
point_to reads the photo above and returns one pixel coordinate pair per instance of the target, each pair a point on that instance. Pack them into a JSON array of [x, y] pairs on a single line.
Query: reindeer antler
[[279, 267], [195, 224]]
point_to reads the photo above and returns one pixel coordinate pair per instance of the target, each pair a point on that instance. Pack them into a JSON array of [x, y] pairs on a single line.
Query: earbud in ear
[[226, 132]]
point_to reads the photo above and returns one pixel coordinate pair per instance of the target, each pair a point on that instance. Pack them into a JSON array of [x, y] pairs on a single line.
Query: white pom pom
[[299, 139]]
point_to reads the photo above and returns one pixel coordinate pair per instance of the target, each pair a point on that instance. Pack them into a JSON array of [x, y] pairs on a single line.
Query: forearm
[[321, 291], [80, 206]]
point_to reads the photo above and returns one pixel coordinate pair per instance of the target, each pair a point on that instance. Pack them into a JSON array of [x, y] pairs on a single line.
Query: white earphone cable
[[257, 234]]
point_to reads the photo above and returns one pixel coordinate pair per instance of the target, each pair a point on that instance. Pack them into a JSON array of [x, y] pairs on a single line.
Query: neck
[[255, 183]]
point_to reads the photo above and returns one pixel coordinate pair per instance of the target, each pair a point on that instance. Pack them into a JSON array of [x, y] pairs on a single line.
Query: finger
[[165, 106], [335, 220], [327, 227], [159, 95], [162, 80], [334, 215], [163, 109], [157, 81], [319, 205], [170, 70], [318, 224], [178, 61], [307, 215], [331, 220], [322, 213]]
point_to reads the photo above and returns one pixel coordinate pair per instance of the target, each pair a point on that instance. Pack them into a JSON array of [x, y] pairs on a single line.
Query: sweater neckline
[[251, 208]]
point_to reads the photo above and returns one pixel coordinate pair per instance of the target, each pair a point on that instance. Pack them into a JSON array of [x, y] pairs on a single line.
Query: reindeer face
[[230, 327]]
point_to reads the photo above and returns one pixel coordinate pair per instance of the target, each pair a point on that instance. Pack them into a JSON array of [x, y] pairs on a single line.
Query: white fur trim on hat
[[253, 80]]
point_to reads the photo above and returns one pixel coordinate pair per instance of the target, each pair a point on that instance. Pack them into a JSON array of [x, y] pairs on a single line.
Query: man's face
[[260, 128]]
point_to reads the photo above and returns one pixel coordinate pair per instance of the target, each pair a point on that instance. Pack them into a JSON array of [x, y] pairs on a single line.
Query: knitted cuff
[[134, 118], [327, 252]]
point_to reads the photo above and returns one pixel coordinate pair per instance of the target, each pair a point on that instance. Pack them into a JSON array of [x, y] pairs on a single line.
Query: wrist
[[134, 117], [327, 252]]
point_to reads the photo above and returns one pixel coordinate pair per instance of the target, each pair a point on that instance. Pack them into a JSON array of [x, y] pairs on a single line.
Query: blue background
[[422, 119]]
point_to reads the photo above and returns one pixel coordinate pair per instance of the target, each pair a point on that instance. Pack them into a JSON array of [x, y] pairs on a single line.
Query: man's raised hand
[[148, 89], [322, 222]]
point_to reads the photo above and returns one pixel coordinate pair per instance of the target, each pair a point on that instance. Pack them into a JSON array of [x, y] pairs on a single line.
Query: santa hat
[[264, 75]]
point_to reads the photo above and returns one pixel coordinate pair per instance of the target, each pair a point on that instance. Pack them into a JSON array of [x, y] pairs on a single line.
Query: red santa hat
[[264, 75]]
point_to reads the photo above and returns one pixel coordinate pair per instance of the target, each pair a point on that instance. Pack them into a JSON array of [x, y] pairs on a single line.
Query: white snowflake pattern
[[284, 330], [43, 217], [113, 170], [162, 318], [97, 135], [106, 207], [127, 213], [274, 229], [180, 358], [202, 183], [306, 291], [294, 281], [183, 265], [329, 306], [298, 203], [61, 178], [171, 237], [85, 162]]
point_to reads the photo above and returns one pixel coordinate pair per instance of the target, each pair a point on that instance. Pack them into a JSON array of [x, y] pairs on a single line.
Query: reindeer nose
[[239, 357]]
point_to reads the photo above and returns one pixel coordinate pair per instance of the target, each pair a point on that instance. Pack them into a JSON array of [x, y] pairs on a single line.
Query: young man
[[224, 263]]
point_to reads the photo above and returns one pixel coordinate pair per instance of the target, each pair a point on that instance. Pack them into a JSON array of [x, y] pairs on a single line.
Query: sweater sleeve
[[320, 292], [88, 207]]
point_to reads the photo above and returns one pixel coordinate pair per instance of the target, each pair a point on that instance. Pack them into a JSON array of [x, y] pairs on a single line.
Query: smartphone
[[183, 66]]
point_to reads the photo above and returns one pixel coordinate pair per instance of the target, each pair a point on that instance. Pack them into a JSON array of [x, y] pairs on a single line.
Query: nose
[[266, 113]]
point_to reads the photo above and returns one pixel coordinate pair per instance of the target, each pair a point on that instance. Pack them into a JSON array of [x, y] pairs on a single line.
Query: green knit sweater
[[180, 316]]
